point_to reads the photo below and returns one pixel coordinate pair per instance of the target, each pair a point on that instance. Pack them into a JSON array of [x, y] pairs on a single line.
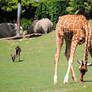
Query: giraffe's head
[[83, 68]]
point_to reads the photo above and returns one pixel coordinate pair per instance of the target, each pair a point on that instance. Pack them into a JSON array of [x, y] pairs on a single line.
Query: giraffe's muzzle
[[83, 69]]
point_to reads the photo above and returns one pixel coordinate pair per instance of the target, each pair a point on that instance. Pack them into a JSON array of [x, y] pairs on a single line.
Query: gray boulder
[[7, 30], [31, 27], [43, 26]]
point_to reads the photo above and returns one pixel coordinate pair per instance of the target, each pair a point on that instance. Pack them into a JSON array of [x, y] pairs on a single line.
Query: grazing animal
[[75, 29], [17, 53]]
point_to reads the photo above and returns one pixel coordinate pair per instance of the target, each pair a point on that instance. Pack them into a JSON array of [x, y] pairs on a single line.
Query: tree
[[79, 6], [51, 9], [9, 5]]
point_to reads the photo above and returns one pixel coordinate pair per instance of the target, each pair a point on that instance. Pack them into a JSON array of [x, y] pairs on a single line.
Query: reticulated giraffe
[[75, 29]]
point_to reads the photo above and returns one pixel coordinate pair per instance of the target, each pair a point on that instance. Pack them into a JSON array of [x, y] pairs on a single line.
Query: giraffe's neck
[[87, 42], [85, 59]]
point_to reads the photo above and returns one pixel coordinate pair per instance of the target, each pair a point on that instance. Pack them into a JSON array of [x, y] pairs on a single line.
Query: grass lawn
[[35, 71]]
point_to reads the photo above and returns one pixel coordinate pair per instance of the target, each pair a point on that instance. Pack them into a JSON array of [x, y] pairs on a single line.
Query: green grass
[[90, 21], [36, 70]]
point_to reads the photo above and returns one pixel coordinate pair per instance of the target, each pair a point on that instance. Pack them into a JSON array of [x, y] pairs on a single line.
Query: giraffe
[[75, 29]]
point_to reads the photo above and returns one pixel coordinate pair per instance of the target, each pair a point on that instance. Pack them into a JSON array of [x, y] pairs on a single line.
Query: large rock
[[31, 27], [43, 26], [40, 26], [7, 30]]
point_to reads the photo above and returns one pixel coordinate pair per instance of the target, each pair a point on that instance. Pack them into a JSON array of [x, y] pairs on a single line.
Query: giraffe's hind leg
[[67, 54], [70, 62], [59, 43], [67, 50]]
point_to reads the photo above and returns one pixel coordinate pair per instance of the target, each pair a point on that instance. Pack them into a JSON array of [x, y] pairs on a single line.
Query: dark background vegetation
[[37, 9]]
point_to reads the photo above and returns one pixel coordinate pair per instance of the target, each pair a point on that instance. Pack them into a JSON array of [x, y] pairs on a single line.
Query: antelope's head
[[83, 68]]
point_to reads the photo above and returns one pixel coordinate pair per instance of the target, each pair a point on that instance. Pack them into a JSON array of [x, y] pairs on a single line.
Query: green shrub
[[51, 9], [25, 22]]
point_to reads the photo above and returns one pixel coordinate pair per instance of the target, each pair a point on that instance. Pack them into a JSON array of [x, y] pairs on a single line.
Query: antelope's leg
[[59, 43], [19, 57], [70, 62]]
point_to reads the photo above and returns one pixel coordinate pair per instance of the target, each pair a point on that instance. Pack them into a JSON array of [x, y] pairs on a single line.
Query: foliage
[[25, 22], [9, 5], [74, 6], [51, 9], [79, 6]]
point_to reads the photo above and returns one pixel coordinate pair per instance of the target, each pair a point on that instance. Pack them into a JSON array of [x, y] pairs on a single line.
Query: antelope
[[17, 53], [75, 29]]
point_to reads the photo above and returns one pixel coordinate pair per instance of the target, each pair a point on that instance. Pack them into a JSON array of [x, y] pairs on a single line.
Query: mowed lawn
[[35, 71]]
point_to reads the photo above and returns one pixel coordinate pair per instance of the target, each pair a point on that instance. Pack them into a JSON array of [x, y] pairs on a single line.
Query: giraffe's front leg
[[73, 74], [59, 43], [68, 70], [73, 47]]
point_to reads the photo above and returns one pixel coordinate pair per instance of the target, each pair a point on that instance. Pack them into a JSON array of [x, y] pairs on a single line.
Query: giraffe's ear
[[89, 64], [79, 62]]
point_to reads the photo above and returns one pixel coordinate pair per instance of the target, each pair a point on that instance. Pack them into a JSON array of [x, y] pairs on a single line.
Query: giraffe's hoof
[[65, 82], [55, 82], [75, 80], [55, 79], [81, 82]]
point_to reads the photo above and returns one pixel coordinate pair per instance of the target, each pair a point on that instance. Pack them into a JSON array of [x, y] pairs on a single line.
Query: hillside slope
[[35, 71]]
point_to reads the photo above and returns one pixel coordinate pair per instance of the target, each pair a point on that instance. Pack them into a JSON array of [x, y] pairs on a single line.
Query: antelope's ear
[[89, 64], [79, 62]]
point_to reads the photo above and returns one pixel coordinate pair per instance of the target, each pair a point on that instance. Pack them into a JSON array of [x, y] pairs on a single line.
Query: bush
[[25, 22], [51, 9]]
